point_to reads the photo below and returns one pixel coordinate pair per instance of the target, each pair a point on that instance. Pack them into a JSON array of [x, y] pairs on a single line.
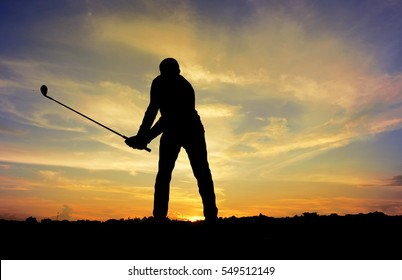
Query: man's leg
[[197, 153], [168, 151]]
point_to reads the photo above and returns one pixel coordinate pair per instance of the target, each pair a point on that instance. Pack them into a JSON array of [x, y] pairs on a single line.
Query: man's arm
[[156, 130], [147, 132], [150, 113], [138, 142]]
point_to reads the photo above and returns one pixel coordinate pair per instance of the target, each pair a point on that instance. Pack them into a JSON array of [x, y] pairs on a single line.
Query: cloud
[[65, 213], [391, 208], [5, 166], [395, 181], [218, 111]]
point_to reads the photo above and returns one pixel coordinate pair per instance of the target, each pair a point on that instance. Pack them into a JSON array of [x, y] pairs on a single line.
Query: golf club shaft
[[98, 123]]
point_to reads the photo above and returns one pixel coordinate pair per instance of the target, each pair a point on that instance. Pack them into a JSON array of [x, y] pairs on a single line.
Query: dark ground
[[372, 236]]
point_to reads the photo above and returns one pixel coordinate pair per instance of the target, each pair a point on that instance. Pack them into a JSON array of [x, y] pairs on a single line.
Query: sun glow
[[193, 218]]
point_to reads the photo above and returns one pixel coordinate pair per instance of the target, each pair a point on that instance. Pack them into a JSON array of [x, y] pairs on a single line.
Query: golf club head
[[43, 90]]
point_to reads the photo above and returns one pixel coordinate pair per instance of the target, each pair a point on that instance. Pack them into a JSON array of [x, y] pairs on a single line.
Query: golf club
[[44, 89]]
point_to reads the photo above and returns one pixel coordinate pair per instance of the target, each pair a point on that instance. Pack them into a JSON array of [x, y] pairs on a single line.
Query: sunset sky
[[301, 103]]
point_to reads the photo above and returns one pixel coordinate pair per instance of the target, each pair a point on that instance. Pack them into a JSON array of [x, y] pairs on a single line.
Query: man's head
[[169, 67]]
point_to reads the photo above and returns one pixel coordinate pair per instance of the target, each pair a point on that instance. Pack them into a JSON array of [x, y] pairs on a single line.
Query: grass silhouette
[[309, 236]]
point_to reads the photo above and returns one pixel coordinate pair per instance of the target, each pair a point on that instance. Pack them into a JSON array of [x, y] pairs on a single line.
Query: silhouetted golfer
[[181, 126]]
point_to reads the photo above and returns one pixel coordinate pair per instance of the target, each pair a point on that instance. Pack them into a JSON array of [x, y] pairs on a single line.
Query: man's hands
[[137, 142], [142, 139]]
